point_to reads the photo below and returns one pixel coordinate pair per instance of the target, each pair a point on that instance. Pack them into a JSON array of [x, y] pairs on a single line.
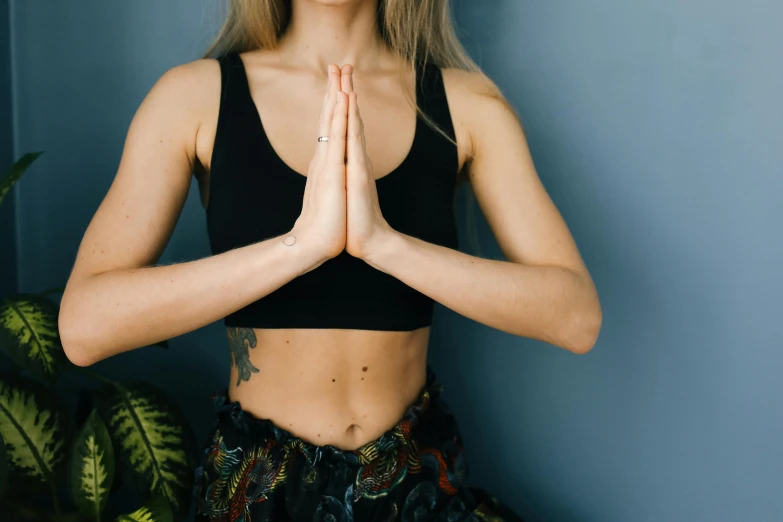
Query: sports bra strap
[[235, 88], [431, 93]]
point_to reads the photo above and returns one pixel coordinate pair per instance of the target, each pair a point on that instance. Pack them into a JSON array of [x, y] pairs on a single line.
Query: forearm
[[119, 310], [548, 303]]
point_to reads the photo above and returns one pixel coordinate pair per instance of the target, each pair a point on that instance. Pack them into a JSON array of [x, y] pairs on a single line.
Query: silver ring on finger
[[323, 138]]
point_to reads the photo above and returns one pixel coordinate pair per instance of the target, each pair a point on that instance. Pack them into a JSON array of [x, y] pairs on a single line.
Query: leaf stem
[[55, 500]]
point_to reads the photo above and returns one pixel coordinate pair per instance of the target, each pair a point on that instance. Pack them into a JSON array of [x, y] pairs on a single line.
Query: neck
[[319, 34]]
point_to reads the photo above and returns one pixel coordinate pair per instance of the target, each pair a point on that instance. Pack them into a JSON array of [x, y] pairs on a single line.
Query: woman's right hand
[[322, 222]]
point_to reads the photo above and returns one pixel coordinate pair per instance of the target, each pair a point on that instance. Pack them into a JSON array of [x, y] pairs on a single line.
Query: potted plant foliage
[[59, 465]]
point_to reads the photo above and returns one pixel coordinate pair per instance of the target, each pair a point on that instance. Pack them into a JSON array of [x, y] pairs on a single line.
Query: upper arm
[[523, 218], [134, 221]]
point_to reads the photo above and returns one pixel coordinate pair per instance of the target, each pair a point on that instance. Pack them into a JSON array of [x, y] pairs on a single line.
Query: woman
[[332, 234]]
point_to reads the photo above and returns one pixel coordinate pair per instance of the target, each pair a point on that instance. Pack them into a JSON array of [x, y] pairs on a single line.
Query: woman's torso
[[329, 386]]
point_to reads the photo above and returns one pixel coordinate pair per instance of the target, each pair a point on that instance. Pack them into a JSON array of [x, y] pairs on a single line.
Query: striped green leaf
[[91, 468], [15, 172], [156, 510], [33, 426], [151, 439], [29, 335]]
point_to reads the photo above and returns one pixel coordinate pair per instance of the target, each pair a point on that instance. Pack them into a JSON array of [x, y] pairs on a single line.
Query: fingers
[[355, 145], [335, 155], [334, 117], [334, 79], [346, 78], [327, 111]]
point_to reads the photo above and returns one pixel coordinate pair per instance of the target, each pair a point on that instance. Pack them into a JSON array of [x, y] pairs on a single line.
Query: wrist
[[301, 251], [382, 245]]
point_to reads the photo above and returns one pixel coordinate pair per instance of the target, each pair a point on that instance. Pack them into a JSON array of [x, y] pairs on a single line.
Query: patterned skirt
[[254, 471]]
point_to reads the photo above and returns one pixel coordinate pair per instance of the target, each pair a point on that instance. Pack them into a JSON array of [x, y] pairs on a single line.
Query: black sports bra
[[255, 195]]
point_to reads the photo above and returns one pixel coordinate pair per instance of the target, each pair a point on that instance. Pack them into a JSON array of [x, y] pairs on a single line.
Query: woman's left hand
[[367, 228]]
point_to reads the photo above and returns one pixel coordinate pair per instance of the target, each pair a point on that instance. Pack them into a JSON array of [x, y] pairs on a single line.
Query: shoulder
[[183, 102], [477, 92], [477, 103], [189, 86], [178, 110], [196, 70]]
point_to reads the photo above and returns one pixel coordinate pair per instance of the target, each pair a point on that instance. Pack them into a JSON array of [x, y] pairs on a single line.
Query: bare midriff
[[328, 386]]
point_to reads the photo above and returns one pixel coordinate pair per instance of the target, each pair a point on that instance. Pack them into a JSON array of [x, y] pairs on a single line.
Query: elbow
[[75, 343], [79, 357], [584, 329]]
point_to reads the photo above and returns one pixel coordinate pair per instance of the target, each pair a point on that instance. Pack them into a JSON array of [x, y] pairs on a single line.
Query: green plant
[[56, 468]]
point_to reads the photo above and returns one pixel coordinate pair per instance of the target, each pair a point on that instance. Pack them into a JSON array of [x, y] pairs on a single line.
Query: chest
[[261, 150], [254, 193], [290, 125]]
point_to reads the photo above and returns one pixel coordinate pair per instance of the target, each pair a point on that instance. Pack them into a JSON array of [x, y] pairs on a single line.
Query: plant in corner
[[55, 466]]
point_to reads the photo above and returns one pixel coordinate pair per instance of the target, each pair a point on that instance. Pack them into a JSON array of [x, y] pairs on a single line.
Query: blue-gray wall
[[654, 127], [81, 71], [8, 278], [657, 129]]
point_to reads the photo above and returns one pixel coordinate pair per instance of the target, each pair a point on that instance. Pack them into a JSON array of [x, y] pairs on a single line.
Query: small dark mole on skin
[[362, 378], [332, 380], [319, 434], [364, 369], [287, 342]]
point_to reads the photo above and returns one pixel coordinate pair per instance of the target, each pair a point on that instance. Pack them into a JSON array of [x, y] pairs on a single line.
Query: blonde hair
[[416, 30]]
